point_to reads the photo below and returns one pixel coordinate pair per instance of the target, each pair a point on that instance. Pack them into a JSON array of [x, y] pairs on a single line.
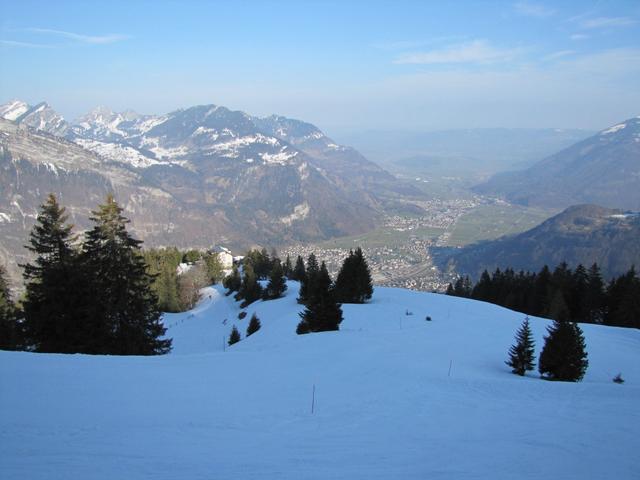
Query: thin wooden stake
[[313, 399], [450, 363]]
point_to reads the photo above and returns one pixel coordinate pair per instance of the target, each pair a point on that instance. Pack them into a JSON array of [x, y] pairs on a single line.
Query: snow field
[[386, 406]]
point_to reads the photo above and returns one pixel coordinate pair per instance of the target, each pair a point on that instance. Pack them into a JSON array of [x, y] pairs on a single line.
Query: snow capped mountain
[[40, 117], [13, 109], [394, 397]]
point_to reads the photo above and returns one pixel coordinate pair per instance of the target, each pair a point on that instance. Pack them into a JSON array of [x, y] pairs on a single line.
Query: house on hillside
[[224, 255]]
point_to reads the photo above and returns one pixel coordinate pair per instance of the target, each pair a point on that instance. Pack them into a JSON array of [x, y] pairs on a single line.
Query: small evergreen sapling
[[254, 325], [234, 337], [521, 356]]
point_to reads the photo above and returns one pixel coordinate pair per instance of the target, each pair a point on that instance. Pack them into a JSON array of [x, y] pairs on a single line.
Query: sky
[[344, 66]]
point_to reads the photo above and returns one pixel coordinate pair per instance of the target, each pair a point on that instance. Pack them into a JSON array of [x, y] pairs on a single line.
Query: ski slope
[[396, 397]]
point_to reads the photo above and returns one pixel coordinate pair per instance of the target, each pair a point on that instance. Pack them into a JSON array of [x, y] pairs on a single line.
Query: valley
[[399, 252]]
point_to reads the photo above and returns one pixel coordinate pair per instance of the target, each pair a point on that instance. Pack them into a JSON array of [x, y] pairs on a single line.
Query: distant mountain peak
[[602, 169], [13, 109]]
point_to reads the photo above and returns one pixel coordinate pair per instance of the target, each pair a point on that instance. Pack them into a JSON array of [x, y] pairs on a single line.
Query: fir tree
[[564, 355], [250, 289], [58, 308], [128, 315], [287, 268], [254, 325], [11, 334], [354, 284], [595, 296], [322, 312], [234, 337], [277, 284], [307, 283], [299, 272], [233, 281], [521, 357], [450, 290]]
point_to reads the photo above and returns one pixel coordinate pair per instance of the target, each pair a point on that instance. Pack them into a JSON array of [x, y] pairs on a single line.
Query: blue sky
[[345, 66]]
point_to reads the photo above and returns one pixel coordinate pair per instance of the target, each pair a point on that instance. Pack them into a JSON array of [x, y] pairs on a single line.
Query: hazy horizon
[[356, 67]]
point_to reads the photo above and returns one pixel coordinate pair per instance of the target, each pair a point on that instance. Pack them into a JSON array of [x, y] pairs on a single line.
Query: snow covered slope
[[396, 397]]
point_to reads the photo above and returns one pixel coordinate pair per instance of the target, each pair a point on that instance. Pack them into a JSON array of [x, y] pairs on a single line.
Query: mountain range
[[193, 177], [580, 234], [603, 169]]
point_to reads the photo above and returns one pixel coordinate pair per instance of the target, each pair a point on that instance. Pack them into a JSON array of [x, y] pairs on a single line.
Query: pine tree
[[287, 268], [129, 318], [564, 355], [595, 296], [322, 312], [354, 284], [233, 281], [234, 337], [11, 334], [58, 307], [307, 283], [254, 325], [363, 278], [277, 284], [299, 272], [521, 357], [250, 289]]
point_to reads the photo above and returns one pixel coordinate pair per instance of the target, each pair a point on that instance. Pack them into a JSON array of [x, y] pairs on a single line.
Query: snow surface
[[13, 109], [396, 397], [614, 129], [119, 153]]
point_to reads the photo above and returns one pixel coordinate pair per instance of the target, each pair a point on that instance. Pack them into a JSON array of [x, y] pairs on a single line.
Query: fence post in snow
[[450, 364], [313, 399]]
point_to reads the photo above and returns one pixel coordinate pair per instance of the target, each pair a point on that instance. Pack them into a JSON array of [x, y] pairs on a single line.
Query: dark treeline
[[93, 296], [579, 295]]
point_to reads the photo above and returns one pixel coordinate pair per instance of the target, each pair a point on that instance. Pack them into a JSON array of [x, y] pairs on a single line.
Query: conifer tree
[[595, 296], [250, 289], [299, 272], [58, 307], [254, 325], [322, 312], [521, 356], [11, 335], [450, 291], [564, 355], [277, 284], [354, 284], [287, 268], [233, 281], [234, 337], [128, 315], [307, 283]]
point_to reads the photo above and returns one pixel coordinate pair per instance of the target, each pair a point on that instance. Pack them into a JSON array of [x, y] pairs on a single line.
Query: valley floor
[[396, 396]]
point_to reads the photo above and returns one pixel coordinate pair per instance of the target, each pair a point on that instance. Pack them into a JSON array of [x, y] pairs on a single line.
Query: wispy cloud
[[17, 44], [560, 54], [579, 36], [409, 44], [533, 9], [476, 52], [77, 37], [607, 22]]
